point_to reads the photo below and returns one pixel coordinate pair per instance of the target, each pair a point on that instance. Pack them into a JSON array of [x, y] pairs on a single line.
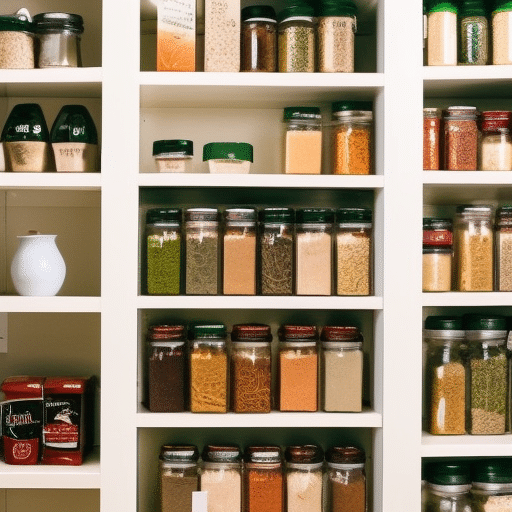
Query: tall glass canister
[[501, 32], [461, 138], [259, 39], [504, 249], [474, 33], [442, 33]]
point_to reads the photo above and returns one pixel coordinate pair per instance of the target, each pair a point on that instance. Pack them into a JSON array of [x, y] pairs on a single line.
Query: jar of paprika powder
[[431, 139]]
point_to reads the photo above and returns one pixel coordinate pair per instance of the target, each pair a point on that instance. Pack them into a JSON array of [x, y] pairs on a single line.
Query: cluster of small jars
[[300, 478], [273, 251], [462, 139], [203, 372], [467, 372], [473, 256]]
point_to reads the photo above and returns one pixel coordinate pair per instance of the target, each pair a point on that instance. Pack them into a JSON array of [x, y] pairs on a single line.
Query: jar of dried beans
[[239, 262], [352, 128], [496, 142], [431, 138], [298, 368], [437, 255], [163, 243], [492, 485], [448, 487], [474, 33], [304, 476], [259, 38], [208, 369], [442, 33], [179, 477], [346, 479], [17, 41], [166, 368], [445, 375], [504, 249], [251, 368], [263, 479], [501, 31], [474, 248], [461, 138]]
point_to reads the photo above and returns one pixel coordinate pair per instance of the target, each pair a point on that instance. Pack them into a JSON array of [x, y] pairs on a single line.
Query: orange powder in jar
[[303, 152], [351, 150]]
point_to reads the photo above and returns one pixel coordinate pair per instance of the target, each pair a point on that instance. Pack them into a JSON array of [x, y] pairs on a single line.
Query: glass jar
[[488, 374], [163, 243], [221, 478], [202, 251], [437, 255], [263, 479], [352, 137], [239, 255], [346, 479], [298, 368], [474, 33], [342, 369], [173, 155], [208, 369], [17, 41], [474, 248], [276, 244], [166, 368], [461, 137], [337, 25], [492, 485], [445, 375], [431, 139], [259, 38], [496, 142], [314, 251], [501, 31], [448, 486], [179, 477], [442, 33], [296, 39], [353, 251], [251, 373], [304, 475], [302, 140], [425, 33], [59, 35], [228, 157], [504, 249]]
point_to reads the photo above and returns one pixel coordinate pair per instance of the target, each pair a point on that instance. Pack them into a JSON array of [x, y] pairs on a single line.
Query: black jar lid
[[163, 216], [338, 8], [299, 10], [50, 21], [442, 473], [298, 333], [492, 471], [341, 333], [74, 124], [345, 455], [251, 332], [305, 454], [222, 454], [259, 12], [353, 215], [302, 113], [277, 215], [181, 146], [26, 123], [443, 323], [15, 24], [179, 453], [263, 454], [314, 215]]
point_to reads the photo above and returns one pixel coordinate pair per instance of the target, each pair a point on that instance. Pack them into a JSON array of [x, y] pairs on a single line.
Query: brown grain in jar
[[259, 38], [460, 138], [431, 138]]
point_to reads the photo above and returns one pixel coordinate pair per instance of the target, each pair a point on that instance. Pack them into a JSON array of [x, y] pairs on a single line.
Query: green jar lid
[[302, 113], [48, 22], [26, 123], [275, 215], [493, 471], [356, 215], [74, 124], [442, 6], [208, 331], [338, 8], [503, 5], [265, 12], [443, 323], [163, 216], [15, 24], [479, 322], [442, 473], [299, 10], [314, 215], [228, 151], [346, 106], [181, 146], [472, 8]]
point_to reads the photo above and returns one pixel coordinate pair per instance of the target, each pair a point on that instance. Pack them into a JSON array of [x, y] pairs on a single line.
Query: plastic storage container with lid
[[17, 41], [501, 32], [474, 33], [437, 254], [352, 137], [492, 485], [460, 138], [442, 33], [431, 139], [496, 141], [228, 157], [173, 155], [259, 39], [503, 234]]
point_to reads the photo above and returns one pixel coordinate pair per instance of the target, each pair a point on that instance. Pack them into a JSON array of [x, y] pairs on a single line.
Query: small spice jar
[[445, 375], [166, 368], [352, 139], [496, 142], [488, 373], [442, 33], [179, 477], [431, 139], [208, 369], [239, 255], [296, 39], [228, 157], [337, 25], [437, 255], [251, 368], [302, 140], [263, 479], [448, 487], [202, 251], [501, 23], [504, 249], [474, 33], [473, 248], [298, 368], [259, 38], [164, 248], [492, 485], [346, 479], [17, 41], [59, 35], [173, 155], [276, 245], [342, 369], [460, 138]]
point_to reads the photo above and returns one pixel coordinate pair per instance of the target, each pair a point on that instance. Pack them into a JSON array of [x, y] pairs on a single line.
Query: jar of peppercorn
[[496, 142], [437, 255], [503, 228], [460, 138], [259, 38], [431, 138]]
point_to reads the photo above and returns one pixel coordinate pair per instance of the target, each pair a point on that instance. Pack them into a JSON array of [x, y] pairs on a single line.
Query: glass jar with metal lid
[[501, 31], [179, 477], [251, 368], [173, 155], [208, 369], [474, 33], [239, 251], [259, 38], [496, 141], [431, 139], [437, 254], [448, 487], [492, 485], [488, 373], [461, 137], [17, 41], [442, 33], [503, 228], [352, 137]]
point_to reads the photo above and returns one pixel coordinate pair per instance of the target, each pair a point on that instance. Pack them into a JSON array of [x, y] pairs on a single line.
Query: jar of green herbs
[[164, 247], [473, 33]]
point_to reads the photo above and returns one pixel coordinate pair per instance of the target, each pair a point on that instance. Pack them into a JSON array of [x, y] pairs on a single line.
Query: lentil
[[460, 139], [431, 138]]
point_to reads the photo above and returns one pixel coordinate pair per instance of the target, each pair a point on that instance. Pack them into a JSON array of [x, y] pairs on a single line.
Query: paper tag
[[200, 501]]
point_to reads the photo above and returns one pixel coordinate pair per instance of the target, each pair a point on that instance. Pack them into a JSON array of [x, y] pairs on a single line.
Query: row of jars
[[300, 478], [475, 255], [484, 485], [311, 251], [467, 375], [462, 139], [208, 374]]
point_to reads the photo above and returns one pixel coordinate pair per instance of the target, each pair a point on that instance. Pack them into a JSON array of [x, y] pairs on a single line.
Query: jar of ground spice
[[492, 485], [208, 369], [179, 477], [448, 487], [488, 373], [239, 252], [17, 41], [346, 479], [437, 255], [259, 38], [167, 365], [461, 138], [298, 368], [504, 249], [496, 141], [164, 248], [352, 127], [251, 371], [431, 138], [173, 155], [445, 375], [442, 33], [474, 33], [501, 31]]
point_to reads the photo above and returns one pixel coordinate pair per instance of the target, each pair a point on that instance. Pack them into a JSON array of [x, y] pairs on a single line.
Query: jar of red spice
[[496, 143], [437, 254], [298, 368], [431, 138], [461, 138], [504, 249]]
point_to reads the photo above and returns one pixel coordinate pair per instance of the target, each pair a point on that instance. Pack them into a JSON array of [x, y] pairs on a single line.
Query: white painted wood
[[466, 446]]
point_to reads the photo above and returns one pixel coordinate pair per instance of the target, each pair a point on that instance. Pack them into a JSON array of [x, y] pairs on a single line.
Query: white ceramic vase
[[38, 268]]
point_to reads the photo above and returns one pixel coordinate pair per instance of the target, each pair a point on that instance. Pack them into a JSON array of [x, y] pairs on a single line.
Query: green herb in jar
[[163, 265]]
